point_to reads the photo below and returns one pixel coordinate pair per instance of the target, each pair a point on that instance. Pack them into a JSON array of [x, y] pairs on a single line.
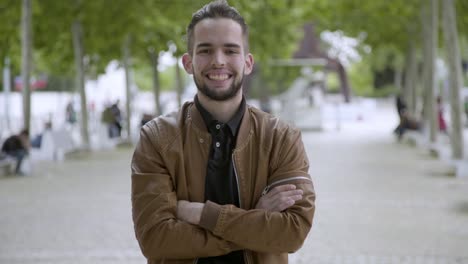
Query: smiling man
[[220, 181]]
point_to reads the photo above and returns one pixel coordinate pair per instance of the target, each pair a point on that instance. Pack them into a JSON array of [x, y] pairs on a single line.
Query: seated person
[[17, 146], [406, 123]]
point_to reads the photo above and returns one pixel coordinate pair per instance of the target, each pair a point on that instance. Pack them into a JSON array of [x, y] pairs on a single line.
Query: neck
[[222, 111]]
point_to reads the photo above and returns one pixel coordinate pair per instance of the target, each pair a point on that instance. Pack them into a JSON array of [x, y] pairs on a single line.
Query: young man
[[220, 181]]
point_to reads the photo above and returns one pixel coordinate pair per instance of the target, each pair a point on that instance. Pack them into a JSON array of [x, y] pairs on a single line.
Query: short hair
[[216, 9], [25, 132]]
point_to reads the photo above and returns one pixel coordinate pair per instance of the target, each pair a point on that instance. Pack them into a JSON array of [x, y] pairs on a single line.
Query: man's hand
[[189, 212], [279, 198]]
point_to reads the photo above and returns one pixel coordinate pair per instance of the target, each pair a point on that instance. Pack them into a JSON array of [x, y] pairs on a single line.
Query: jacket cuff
[[210, 215]]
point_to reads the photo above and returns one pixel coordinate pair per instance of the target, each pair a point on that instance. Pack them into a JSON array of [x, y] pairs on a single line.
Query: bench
[[55, 144], [7, 166]]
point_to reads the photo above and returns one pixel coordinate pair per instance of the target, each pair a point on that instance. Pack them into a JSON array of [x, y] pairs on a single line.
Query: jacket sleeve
[[154, 206], [263, 231]]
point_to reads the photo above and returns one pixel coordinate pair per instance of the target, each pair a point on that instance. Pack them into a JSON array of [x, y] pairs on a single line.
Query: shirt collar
[[233, 124]]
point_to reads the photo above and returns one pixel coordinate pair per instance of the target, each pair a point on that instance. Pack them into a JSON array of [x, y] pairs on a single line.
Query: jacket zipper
[[240, 204], [237, 181], [246, 259], [268, 187]]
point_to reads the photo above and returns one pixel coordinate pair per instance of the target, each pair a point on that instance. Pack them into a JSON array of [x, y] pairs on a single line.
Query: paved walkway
[[378, 202]]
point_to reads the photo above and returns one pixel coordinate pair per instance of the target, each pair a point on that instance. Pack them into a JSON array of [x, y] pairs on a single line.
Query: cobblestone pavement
[[379, 201]]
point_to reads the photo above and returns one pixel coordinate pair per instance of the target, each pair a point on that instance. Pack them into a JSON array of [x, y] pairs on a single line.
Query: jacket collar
[[244, 129], [232, 124]]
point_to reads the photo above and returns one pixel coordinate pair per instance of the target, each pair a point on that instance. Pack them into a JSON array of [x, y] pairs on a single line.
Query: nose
[[219, 58]]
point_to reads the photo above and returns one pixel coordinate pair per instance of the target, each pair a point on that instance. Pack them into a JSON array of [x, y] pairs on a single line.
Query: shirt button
[[201, 140], [218, 126], [218, 144]]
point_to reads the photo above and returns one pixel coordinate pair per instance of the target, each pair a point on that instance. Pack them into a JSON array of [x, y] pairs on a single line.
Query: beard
[[215, 95]]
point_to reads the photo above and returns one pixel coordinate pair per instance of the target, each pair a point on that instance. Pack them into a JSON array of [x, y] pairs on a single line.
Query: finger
[[285, 204], [277, 199], [286, 199], [286, 194], [282, 188], [290, 201]]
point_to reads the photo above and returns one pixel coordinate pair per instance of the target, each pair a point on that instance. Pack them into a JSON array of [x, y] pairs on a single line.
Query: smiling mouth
[[218, 77]]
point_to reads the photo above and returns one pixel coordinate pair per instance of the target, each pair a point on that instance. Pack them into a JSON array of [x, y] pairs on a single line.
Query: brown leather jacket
[[169, 164]]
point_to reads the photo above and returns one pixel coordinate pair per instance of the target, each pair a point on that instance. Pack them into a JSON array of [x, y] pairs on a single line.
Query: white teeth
[[218, 77]]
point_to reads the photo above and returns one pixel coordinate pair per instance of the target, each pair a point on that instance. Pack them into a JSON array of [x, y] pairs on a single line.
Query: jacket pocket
[[291, 180]]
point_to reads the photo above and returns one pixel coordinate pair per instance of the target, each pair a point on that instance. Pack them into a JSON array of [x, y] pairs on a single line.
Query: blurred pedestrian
[[17, 147], [407, 122], [402, 114], [70, 113], [117, 119], [145, 119], [440, 115]]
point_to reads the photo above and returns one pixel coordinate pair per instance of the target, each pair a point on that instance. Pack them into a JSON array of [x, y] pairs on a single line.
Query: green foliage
[[386, 26], [384, 56], [275, 29], [384, 22], [386, 91], [144, 78], [333, 83], [360, 78], [462, 16], [10, 46]]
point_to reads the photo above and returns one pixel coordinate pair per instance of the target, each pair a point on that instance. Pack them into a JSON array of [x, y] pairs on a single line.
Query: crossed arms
[[169, 228]]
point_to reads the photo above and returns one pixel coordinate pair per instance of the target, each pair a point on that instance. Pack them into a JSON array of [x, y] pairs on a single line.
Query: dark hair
[[216, 9], [24, 132]]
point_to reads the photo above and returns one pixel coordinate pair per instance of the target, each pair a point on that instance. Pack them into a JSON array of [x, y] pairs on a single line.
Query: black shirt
[[221, 182], [12, 144]]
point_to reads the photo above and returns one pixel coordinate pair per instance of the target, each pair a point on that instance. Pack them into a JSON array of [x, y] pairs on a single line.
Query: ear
[[249, 62], [187, 62]]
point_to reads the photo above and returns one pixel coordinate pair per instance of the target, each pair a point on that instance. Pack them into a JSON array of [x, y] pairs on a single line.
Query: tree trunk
[[7, 90], [455, 76], [345, 89], [156, 85], [179, 83], [26, 60], [127, 64], [430, 51], [410, 78], [78, 50], [398, 79]]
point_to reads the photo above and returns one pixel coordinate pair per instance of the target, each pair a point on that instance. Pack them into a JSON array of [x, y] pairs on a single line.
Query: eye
[[231, 51], [203, 51]]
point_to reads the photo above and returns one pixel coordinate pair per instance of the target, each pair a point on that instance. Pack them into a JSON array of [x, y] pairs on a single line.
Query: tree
[[26, 60], [453, 57], [430, 29]]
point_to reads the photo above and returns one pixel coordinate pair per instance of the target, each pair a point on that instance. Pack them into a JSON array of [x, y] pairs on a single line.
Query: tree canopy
[[275, 28]]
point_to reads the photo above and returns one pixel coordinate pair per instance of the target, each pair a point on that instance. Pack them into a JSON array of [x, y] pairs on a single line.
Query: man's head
[[24, 132], [213, 10], [217, 55]]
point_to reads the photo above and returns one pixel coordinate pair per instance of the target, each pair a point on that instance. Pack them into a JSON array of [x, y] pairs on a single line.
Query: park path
[[378, 201]]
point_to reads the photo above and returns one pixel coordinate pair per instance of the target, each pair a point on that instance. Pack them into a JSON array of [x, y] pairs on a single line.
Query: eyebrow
[[227, 45]]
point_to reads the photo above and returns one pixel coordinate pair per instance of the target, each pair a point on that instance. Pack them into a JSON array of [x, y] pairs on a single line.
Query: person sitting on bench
[[17, 146]]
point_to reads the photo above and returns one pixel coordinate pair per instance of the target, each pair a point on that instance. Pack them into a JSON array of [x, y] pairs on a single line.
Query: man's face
[[218, 61]]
